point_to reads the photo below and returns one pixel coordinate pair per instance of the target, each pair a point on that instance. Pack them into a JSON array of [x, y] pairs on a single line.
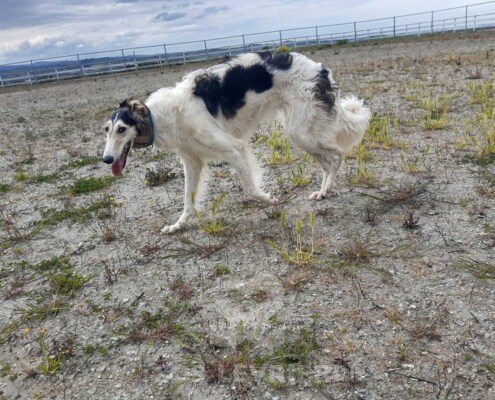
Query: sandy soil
[[390, 295]]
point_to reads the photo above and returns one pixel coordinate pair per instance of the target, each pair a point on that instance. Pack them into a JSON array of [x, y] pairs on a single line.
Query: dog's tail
[[353, 119]]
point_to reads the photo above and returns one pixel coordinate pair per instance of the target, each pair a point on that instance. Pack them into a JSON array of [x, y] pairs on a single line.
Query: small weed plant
[[91, 184], [216, 225], [279, 147], [436, 111], [301, 247]]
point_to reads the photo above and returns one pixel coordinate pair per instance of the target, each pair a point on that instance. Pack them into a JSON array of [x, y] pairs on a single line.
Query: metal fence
[[465, 18]]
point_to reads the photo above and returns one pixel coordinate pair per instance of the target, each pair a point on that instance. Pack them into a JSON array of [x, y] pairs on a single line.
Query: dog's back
[[255, 87]]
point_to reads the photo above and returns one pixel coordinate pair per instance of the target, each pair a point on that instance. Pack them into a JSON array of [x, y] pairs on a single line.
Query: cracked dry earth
[[385, 290]]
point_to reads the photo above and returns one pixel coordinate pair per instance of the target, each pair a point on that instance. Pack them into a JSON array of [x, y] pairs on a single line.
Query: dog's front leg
[[192, 174]]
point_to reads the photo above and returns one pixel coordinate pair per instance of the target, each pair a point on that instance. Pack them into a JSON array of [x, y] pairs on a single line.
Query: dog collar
[[140, 142], [149, 120]]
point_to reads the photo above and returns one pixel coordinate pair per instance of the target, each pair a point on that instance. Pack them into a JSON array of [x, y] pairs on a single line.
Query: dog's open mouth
[[119, 164]]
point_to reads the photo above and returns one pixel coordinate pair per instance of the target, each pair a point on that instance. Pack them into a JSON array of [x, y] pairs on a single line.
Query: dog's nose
[[108, 160]]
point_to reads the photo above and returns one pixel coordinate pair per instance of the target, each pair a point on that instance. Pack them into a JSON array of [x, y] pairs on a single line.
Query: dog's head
[[128, 126]]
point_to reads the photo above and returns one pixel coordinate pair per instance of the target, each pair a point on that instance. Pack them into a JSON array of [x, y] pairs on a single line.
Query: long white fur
[[183, 125]]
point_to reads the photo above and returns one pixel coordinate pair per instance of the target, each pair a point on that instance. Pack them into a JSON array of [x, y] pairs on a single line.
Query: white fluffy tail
[[353, 120]]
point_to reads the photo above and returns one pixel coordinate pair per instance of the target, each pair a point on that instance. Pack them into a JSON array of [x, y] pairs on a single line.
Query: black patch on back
[[228, 95], [124, 113], [208, 87], [282, 61], [325, 93]]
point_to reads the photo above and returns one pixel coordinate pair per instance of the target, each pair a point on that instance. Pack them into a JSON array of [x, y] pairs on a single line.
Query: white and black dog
[[212, 113]]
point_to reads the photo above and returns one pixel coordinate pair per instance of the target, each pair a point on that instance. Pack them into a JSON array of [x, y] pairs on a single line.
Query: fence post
[[432, 22], [244, 43], [466, 19], [355, 32], [165, 51], [280, 36], [317, 37], [123, 59], [206, 49], [394, 26], [1, 81], [81, 69], [135, 61], [34, 71]]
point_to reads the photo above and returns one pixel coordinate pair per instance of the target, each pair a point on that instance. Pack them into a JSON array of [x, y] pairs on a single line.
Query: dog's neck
[[163, 121]]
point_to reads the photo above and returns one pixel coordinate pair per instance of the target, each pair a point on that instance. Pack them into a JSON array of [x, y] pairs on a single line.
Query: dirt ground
[[385, 290]]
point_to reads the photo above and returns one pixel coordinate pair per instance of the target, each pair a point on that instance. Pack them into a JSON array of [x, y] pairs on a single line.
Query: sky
[[32, 29]]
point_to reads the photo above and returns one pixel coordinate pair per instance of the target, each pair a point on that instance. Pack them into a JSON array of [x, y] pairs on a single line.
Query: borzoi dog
[[212, 113]]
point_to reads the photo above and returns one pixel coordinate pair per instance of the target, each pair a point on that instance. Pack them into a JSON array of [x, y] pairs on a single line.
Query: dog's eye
[[121, 129], [106, 128]]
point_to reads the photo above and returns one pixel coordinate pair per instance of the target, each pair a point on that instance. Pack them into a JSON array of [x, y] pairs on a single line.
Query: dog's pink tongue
[[118, 166]]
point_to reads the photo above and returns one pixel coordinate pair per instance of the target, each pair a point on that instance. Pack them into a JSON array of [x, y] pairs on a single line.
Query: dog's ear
[[138, 108], [125, 103]]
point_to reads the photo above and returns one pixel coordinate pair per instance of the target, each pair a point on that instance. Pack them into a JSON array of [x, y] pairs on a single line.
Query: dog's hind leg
[[324, 168], [193, 168], [329, 162]]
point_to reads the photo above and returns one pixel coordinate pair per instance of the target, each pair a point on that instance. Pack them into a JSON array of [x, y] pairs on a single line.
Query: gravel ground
[[389, 295]]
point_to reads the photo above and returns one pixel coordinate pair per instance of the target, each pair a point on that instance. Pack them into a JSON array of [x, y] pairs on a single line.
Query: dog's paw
[[267, 198], [168, 229], [318, 195]]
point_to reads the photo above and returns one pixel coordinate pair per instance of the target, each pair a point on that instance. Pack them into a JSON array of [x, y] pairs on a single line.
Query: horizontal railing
[[466, 18]]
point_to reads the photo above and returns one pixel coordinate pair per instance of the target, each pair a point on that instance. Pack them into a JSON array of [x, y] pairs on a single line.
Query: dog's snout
[[108, 160]]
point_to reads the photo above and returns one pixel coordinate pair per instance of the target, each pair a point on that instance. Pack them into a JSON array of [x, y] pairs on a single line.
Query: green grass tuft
[[81, 162], [221, 270], [298, 176], [76, 214], [215, 227], [5, 187], [91, 184], [49, 178], [21, 176], [52, 264], [295, 349], [67, 282], [159, 177], [436, 111], [377, 134], [279, 146], [481, 270]]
